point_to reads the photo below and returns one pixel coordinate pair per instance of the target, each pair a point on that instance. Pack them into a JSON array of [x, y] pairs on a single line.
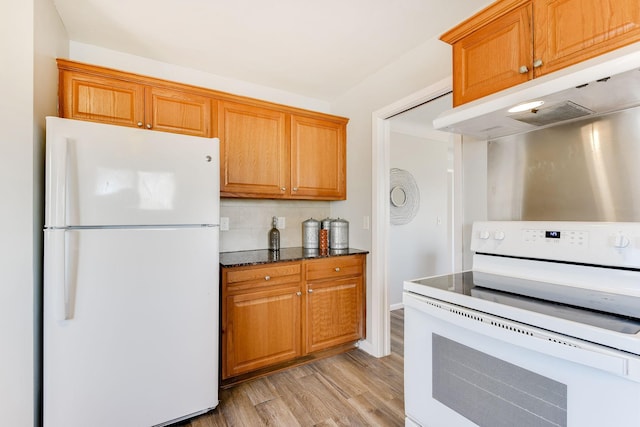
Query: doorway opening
[[382, 297]]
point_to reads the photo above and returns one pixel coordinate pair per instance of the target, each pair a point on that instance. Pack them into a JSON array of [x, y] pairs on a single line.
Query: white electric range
[[543, 331]]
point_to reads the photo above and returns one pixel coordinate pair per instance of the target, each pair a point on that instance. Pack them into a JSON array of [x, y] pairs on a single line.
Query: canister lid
[[340, 222], [311, 222]]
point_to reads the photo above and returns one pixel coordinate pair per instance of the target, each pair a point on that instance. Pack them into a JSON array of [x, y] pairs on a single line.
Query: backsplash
[[581, 171], [250, 221]]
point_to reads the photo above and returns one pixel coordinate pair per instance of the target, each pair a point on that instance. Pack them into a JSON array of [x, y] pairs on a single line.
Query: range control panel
[[600, 243], [556, 237]]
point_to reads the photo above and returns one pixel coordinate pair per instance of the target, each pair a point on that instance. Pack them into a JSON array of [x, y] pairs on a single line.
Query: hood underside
[[599, 86]]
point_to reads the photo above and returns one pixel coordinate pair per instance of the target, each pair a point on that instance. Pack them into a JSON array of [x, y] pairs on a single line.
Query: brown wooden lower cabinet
[[280, 314]]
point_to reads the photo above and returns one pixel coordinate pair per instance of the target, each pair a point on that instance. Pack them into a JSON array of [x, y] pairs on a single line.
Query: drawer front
[[329, 268], [266, 275]]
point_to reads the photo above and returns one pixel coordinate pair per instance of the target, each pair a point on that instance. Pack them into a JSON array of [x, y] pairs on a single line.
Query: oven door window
[[492, 392]]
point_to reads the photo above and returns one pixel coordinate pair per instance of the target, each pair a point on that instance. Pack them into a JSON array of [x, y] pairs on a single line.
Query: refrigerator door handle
[[71, 243], [55, 272], [62, 272]]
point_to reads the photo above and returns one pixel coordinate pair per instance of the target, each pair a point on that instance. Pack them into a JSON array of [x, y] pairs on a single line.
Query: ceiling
[[318, 49]]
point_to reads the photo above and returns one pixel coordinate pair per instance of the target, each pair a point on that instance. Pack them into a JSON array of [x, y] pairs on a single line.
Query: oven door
[[466, 368]]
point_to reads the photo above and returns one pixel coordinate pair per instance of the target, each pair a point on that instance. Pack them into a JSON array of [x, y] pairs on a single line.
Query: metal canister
[[325, 224], [339, 234], [310, 232]]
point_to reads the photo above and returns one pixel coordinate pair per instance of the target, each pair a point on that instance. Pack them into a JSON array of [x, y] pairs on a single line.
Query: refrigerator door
[[130, 325], [105, 175]]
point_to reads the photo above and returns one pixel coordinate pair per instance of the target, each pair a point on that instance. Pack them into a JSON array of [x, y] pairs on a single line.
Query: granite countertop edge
[[266, 256]]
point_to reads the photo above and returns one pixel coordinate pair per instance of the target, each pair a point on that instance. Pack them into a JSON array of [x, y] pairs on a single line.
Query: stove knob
[[484, 235], [620, 241], [498, 235]]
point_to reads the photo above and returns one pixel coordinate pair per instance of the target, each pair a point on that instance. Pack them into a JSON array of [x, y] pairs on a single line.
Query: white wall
[[31, 36], [136, 64], [420, 248]]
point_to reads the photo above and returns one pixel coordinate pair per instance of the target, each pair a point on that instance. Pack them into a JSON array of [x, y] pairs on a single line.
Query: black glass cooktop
[[583, 306]]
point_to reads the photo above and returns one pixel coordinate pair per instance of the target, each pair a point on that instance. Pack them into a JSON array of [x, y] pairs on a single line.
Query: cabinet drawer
[[263, 275], [333, 267]]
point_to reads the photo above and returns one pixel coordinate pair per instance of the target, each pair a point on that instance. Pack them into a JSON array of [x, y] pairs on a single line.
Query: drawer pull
[[267, 277], [298, 293], [310, 291], [337, 269]]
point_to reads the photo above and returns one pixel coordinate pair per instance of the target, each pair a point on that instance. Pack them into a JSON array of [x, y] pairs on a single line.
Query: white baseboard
[[367, 347], [398, 306]]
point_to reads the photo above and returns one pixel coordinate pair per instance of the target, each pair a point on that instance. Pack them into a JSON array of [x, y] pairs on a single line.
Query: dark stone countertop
[[265, 256]]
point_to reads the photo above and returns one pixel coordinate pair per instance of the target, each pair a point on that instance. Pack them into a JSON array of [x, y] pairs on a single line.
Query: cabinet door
[[262, 328], [98, 99], [490, 58], [570, 31], [333, 313], [254, 151], [318, 159], [174, 111]]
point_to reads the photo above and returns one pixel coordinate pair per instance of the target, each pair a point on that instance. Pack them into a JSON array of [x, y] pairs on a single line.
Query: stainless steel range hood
[[602, 85]]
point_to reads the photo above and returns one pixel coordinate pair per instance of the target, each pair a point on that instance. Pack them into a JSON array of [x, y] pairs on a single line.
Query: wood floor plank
[[276, 413], [304, 397], [349, 389], [260, 391], [375, 411], [237, 408]]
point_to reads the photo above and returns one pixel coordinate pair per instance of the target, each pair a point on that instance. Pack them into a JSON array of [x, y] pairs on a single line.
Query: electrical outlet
[[365, 222], [224, 223], [281, 223]]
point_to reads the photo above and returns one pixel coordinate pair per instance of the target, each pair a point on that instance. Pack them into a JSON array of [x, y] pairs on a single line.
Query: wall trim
[[398, 306]]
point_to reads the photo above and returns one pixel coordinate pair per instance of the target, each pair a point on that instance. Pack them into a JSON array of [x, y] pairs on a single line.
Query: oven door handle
[[545, 342]]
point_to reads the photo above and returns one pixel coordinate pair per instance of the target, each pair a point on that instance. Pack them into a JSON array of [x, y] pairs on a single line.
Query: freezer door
[[106, 175], [130, 326]]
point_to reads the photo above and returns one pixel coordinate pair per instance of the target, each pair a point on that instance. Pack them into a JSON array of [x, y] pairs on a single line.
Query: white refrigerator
[[130, 322]]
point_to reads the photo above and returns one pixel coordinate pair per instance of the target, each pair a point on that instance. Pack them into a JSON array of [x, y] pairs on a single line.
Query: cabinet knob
[[283, 188], [310, 291], [139, 124], [267, 277], [295, 188], [523, 69], [537, 63], [298, 293], [337, 269], [148, 125]]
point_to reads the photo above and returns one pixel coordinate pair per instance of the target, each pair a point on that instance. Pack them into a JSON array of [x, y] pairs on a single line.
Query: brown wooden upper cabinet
[[267, 151], [108, 96], [513, 41], [254, 150], [276, 154]]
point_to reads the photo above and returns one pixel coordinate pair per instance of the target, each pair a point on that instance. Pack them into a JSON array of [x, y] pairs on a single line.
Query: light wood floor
[[350, 389]]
